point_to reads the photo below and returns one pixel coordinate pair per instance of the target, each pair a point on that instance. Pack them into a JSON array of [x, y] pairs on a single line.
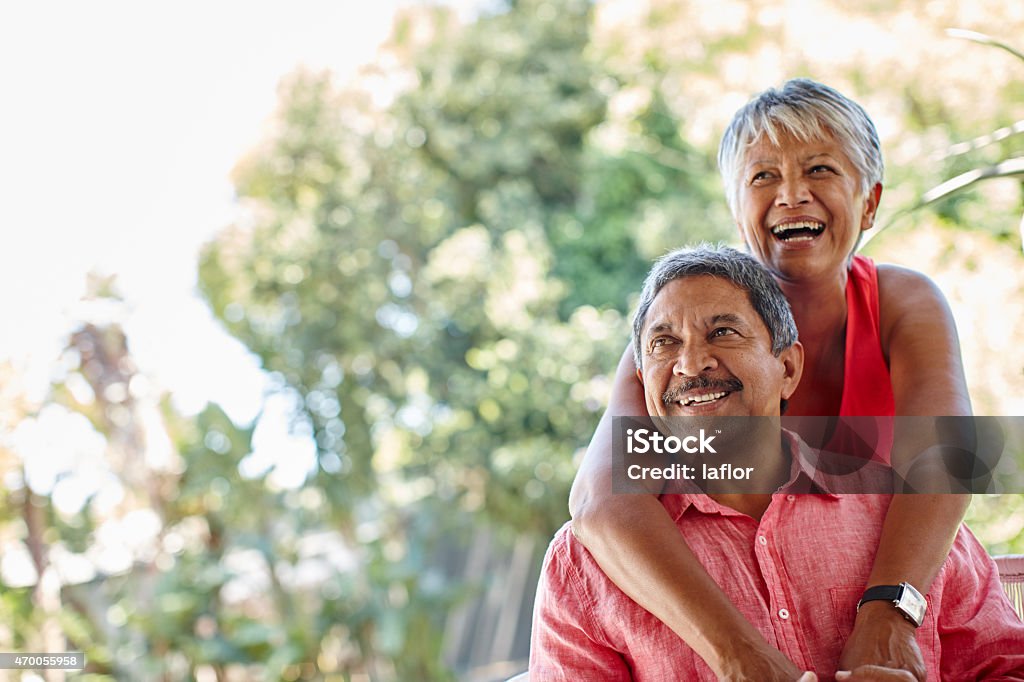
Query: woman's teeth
[[801, 231]]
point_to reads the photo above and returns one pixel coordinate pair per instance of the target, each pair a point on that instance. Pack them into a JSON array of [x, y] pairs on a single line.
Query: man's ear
[[640, 375], [867, 220], [792, 360]]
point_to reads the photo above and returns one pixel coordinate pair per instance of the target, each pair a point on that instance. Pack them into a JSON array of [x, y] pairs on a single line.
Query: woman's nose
[[793, 191]]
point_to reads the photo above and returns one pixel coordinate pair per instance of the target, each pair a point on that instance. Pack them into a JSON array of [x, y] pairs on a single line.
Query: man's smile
[[701, 391]]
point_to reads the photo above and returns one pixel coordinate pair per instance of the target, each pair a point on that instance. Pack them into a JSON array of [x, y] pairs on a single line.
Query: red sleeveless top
[[867, 387], [863, 426]]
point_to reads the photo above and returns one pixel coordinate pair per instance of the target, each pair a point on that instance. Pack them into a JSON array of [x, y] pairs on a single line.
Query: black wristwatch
[[904, 597]]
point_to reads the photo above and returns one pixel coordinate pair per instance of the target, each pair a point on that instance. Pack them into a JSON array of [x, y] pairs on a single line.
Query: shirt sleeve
[[566, 643], [980, 635]]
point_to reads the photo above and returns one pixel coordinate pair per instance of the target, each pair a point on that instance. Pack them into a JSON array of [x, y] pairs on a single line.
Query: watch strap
[[881, 592]]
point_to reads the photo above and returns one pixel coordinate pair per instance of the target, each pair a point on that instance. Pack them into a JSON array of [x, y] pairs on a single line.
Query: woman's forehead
[[763, 148]]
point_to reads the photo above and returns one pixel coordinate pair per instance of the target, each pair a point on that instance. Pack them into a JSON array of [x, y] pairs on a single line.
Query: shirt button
[[762, 539], [783, 614], [790, 497]]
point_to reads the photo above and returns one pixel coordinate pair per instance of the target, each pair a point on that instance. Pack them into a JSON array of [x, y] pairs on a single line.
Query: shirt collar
[[804, 479]]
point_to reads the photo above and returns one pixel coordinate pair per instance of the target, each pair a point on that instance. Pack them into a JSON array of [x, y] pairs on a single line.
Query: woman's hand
[[874, 673], [757, 662]]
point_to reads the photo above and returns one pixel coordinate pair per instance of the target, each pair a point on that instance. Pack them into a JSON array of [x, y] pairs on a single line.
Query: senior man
[[714, 337]]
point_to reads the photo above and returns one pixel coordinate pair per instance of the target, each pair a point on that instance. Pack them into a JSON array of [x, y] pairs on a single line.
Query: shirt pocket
[[844, 609], [843, 601]]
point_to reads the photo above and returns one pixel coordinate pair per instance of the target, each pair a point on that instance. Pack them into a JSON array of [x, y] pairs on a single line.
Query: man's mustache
[[730, 384]]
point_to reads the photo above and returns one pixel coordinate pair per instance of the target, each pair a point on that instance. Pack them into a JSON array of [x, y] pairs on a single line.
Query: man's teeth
[[707, 397], [786, 230]]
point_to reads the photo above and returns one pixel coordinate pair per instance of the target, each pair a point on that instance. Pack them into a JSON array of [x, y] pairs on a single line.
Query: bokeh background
[[309, 310]]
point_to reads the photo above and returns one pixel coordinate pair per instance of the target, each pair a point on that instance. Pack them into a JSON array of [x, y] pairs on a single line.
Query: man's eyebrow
[[659, 326], [727, 318], [719, 318]]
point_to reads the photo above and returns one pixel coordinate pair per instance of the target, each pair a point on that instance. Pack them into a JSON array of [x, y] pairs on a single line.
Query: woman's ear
[[871, 207]]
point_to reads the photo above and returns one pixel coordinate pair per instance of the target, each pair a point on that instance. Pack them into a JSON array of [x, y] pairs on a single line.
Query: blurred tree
[[404, 267]]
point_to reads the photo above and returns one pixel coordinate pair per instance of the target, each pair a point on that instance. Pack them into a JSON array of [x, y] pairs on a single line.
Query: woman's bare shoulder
[[920, 342], [905, 294]]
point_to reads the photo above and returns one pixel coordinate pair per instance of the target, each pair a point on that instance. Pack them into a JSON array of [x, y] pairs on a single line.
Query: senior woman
[[802, 168]]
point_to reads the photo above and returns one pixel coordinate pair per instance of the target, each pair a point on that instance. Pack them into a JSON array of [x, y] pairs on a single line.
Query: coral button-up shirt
[[796, 575]]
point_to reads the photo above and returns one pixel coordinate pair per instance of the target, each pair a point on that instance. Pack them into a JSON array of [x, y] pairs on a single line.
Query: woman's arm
[[640, 549], [920, 337]]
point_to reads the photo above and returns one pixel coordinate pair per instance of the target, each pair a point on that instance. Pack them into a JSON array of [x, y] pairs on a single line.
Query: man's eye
[[661, 341], [723, 331]]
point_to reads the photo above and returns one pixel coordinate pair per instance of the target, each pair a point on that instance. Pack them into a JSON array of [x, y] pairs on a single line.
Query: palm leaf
[[1003, 169], [984, 40], [983, 140], [1007, 168]]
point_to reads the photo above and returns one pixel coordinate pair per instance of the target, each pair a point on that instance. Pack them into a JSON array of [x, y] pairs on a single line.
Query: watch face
[[911, 603]]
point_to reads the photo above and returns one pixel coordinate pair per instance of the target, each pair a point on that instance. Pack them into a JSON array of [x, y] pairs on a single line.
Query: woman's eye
[[822, 169], [760, 176]]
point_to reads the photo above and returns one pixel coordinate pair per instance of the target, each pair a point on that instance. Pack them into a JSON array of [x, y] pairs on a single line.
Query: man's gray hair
[[727, 263], [806, 110]]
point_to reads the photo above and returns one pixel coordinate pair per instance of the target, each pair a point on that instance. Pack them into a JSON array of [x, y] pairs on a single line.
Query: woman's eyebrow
[[812, 157]]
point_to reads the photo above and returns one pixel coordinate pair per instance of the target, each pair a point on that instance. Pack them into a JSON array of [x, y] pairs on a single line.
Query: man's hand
[[882, 639], [874, 673]]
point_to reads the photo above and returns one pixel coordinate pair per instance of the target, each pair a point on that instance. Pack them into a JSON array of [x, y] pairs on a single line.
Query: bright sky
[[119, 126]]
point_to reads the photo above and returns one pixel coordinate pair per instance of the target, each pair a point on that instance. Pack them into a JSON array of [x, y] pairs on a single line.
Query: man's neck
[[770, 469]]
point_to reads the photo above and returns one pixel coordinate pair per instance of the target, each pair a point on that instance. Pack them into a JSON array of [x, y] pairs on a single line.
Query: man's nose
[[694, 359], [793, 191]]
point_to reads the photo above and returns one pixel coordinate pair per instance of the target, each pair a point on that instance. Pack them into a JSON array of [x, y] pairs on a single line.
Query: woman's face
[[800, 208]]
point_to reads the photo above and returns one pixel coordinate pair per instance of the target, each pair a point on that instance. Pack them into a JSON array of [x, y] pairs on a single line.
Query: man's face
[[706, 351]]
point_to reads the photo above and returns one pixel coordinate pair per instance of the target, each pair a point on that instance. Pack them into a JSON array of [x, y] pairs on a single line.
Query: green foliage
[[407, 282]]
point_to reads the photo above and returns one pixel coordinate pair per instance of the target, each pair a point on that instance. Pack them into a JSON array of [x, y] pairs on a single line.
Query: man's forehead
[[704, 296]]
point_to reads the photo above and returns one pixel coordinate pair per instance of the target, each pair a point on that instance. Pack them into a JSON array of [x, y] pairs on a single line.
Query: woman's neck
[[819, 307], [819, 310]]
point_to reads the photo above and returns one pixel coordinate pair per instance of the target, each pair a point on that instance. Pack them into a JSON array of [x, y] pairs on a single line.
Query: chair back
[[1011, 575]]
